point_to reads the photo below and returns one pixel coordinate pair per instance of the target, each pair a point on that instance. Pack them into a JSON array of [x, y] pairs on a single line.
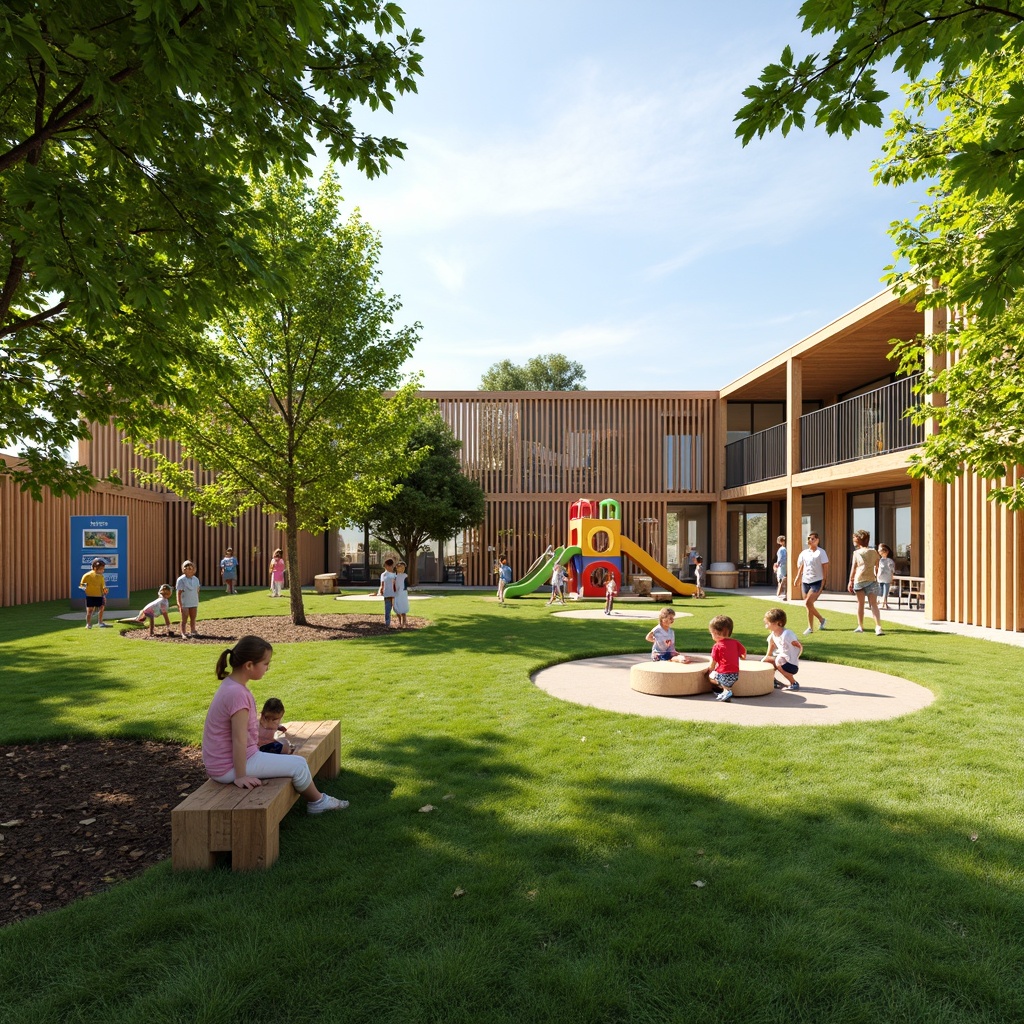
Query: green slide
[[540, 573]]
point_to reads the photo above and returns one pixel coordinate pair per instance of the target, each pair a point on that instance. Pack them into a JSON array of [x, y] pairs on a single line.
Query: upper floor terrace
[[849, 404]]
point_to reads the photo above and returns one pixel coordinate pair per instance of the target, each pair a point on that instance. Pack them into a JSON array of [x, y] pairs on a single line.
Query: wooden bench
[[223, 818], [675, 679]]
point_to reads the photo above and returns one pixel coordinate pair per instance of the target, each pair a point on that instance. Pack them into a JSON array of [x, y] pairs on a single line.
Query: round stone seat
[[756, 679], [672, 678]]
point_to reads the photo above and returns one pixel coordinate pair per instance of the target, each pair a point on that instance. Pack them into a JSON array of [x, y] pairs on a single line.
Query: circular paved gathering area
[[829, 694]]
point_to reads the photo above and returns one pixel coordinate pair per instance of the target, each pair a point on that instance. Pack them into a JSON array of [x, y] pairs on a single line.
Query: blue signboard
[[103, 537]]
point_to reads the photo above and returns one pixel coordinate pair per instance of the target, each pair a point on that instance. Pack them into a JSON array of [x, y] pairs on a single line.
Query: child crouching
[[726, 655], [783, 649]]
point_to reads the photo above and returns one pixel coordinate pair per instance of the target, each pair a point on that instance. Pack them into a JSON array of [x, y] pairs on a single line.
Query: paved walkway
[[829, 694]]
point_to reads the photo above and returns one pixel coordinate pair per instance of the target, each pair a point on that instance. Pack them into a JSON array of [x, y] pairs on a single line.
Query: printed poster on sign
[[104, 538]]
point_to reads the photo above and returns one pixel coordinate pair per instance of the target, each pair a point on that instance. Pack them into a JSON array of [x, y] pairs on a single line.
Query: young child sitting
[[726, 655], [783, 649], [270, 725], [156, 607], [663, 638]]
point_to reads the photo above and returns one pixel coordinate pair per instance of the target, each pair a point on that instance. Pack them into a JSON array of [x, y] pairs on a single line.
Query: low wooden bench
[[677, 679], [223, 818]]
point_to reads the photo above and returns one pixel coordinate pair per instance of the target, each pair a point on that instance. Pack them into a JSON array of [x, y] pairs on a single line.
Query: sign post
[[103, 537]]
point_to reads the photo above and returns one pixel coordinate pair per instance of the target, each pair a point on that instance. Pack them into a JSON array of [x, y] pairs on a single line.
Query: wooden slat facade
[[534, 453], [35, 541]]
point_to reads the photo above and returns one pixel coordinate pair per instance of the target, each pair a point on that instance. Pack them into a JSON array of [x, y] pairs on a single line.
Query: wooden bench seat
[[223, 818], [674, 679]]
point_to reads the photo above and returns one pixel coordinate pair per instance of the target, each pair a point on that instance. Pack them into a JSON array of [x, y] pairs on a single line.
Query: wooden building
[[813, 439]]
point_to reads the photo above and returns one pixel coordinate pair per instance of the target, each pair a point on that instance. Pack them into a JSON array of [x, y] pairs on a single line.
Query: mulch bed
[[79, 817], [276, 629]]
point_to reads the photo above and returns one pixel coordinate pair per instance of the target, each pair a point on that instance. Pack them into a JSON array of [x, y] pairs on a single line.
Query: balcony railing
[[870, 424], [760, 456]]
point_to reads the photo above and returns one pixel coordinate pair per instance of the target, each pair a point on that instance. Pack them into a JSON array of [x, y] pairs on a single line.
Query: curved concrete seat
[[672, 678], [756, 679]]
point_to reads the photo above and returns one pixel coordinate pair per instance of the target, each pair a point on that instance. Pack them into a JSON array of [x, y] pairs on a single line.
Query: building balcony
[[860, 428], [761, 456]]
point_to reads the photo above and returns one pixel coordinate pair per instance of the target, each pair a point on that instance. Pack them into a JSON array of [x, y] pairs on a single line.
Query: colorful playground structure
[[596, 550]]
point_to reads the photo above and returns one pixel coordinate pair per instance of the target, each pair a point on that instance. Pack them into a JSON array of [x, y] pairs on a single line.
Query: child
[[884, 572], [698, 576], [780, 567], [401, 595], [388, 589], [726, 655], [862, 585], [783, 648], [663, 638], [557, 584], [504, 577], [229, 570], [188, 588], [95, 587], [231, 751], [155, 607], [276, 573], [611, 588], [270, 725]]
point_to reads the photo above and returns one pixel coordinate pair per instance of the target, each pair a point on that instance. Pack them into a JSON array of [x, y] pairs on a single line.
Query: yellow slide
[[654, 569]]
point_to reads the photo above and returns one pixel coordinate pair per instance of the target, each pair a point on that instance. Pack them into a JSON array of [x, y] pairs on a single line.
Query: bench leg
[[332, 766], [190, 843], [255, 841]]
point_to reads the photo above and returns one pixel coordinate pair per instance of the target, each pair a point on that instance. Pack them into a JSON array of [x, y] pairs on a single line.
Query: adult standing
[[812, 571], [862, 584]]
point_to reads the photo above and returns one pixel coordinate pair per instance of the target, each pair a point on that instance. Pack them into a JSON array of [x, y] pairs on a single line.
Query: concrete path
[[828, 695]]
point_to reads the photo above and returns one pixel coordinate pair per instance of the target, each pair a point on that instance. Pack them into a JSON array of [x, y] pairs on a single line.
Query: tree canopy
[[436, 501], [128, 130], [553, 372], [962, 129], [300, 424]]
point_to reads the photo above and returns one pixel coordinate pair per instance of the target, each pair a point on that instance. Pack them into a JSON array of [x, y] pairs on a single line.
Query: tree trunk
[[292, 558]]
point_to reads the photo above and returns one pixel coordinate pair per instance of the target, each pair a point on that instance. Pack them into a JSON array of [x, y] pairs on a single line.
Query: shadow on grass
[[547, 890]]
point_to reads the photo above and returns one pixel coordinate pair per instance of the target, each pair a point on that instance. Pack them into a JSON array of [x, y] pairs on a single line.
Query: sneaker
[[88, 625], [808, 631], [326, 803], [859, 629], [879, 631], [792, 686], [823, 621], [725, 695], [777, 685], [195, 636], [103, 625]]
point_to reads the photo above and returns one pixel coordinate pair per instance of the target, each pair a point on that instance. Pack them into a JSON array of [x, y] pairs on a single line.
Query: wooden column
[[720, 524], [793, 526], [935, 524]]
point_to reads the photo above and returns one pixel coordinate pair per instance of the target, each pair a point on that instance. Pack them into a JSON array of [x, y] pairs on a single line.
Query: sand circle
[[829, 694]]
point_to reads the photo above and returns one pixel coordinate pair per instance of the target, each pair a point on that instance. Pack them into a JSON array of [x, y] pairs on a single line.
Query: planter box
[[719, 580]]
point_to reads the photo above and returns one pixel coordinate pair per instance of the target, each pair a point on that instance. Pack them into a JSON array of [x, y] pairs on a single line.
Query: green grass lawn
[[841, 880]]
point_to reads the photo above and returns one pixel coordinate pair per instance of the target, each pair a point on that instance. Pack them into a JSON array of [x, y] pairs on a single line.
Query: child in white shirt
[[783, 649]]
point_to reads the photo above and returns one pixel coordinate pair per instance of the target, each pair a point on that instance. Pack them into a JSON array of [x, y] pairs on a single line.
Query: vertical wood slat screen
[[534, 453], [35, 541], [537, 443]]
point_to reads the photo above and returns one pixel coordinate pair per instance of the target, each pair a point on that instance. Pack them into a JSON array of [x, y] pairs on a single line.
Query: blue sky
[[572, 184]]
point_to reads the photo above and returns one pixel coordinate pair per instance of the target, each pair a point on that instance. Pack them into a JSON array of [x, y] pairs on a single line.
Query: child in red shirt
[[725, 657]]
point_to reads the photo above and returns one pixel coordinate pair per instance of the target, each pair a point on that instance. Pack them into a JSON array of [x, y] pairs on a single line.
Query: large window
[[686, 529], [748, 534], [746, 418], [886, 517]]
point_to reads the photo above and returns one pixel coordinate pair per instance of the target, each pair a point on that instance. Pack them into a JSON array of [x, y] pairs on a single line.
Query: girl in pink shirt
[[231, 750]]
